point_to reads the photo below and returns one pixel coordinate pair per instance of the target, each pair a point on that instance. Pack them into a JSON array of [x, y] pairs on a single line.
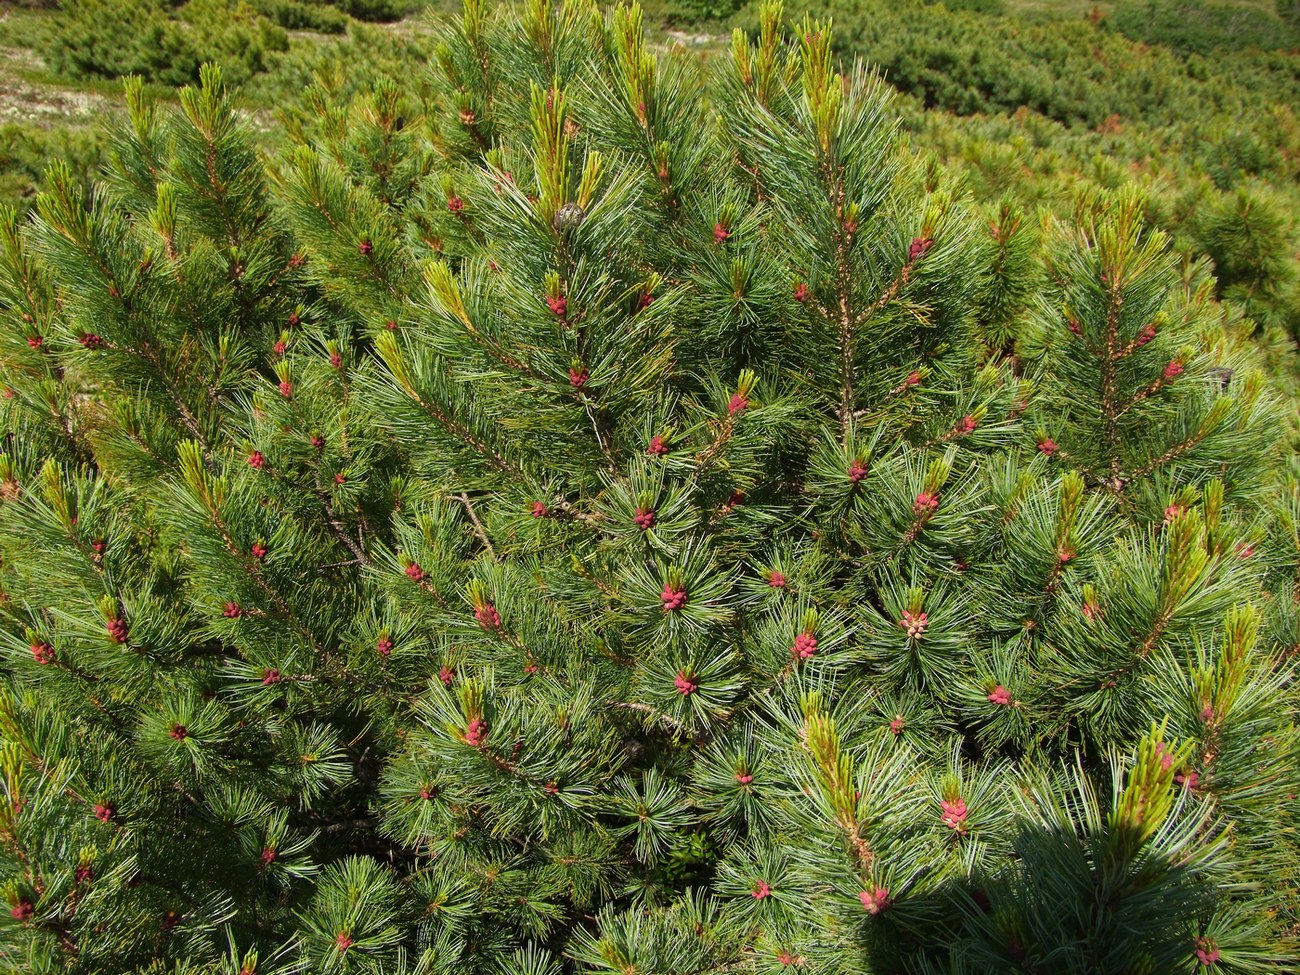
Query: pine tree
[[623, 514]]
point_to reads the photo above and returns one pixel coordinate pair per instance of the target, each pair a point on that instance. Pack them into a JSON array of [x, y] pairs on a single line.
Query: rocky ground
[[25, 100]]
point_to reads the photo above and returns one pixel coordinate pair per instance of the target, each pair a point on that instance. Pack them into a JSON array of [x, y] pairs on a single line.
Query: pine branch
[[478, 525]]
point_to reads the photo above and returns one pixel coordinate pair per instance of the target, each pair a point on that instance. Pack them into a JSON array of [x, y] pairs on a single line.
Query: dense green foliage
[[590, 513], [166, 42], [1029, 103], [90, 39], [1207, 27], [1035, 109], [1069, 71], [378, 10], [26, 152], [295, 15]]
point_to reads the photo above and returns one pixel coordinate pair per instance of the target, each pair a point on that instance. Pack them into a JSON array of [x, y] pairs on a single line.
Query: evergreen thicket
[[168, 41], [1190, 103], [609, 513]]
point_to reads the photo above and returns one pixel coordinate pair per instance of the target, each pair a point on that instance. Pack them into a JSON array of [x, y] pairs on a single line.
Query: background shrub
[[26, 150], [162, 45], [166, 43], [1201, 27], [378, 10], [293, 15]]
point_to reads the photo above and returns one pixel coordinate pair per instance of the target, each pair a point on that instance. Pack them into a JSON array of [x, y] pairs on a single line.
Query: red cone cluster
[[875, 900], [476, 732], [914, 623], [487, 616], [954, 814], [805, 645], [1207, 952]]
